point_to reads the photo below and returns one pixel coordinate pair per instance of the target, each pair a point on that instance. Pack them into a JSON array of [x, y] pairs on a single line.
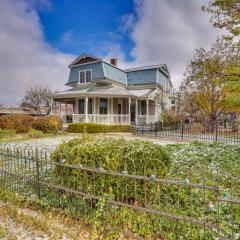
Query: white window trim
[[85, 76]]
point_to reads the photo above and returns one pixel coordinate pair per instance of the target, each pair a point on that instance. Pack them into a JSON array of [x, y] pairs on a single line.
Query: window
[[173, 102], [103, 106], [85, 76], [81, 106], [82, 77], [88, 75]]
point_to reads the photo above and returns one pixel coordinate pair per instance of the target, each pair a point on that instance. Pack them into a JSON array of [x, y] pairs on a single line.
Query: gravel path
[[52, 142]]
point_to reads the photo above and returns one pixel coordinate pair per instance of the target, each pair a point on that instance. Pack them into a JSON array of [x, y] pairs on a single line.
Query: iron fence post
[[156, 129], [182, 129], [216, 131], [37, 174]]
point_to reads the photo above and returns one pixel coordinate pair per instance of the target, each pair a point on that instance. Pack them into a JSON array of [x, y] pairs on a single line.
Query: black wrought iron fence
[[226, 132], [189, 203]]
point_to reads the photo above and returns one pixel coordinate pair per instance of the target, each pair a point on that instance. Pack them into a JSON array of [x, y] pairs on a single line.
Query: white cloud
[[162, 31], [66, 37], [25, 57], [168, 31]]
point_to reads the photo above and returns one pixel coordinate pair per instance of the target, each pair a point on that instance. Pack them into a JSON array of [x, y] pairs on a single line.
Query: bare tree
[[38, 100]]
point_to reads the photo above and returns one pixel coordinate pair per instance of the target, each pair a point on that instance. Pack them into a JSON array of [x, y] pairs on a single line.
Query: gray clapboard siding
[[97, 72]]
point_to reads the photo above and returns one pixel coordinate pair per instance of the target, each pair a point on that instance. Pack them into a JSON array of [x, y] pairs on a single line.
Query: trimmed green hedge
[[116, 155], [97, 128]]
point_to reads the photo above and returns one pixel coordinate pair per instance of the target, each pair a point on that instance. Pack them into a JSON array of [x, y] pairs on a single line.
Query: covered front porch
[[105, 110]]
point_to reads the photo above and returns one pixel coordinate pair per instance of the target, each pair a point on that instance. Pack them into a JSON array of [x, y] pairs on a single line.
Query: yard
[[114, 184], [203, 190]]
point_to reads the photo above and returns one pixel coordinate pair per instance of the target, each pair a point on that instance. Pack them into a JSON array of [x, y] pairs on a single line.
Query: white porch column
[[129, 110], [60, 108], [111, 105], [147, 110], [55, 107], [136, 111], [108, 111], [75, 110], [94, 105], [51, 106], [76, 106], [86, 109]]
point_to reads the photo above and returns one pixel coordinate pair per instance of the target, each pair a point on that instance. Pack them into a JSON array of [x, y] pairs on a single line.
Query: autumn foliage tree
[[225, 14], [211, 84]]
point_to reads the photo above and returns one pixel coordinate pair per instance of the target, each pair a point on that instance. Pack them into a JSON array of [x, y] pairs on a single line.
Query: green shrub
[[171, 118], [20, 123], [116, 155], [7, 133], [33, 133], [97, 128], [47, 124]]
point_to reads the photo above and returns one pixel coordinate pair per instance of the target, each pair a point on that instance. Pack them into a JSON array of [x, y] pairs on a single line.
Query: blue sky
[[40, 38], [75, 26]]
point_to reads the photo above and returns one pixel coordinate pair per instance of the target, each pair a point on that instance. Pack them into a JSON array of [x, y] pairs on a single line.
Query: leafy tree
[[225, 14], [37, 99], [212, 84]]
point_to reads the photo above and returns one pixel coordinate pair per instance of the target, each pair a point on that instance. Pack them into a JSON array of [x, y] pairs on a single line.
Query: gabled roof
[[84, 58]]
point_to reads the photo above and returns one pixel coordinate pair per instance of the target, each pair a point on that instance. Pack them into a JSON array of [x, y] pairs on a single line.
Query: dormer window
[[88, 75], [85, 76]]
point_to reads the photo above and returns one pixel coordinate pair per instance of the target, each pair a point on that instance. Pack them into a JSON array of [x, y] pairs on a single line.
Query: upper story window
[[88, 75], [85, 76]]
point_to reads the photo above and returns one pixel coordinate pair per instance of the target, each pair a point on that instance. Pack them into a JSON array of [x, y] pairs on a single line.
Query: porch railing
[[123, 119], [96, 118]]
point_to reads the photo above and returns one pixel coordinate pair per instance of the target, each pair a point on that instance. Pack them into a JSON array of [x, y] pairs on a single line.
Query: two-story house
[[101, 92]]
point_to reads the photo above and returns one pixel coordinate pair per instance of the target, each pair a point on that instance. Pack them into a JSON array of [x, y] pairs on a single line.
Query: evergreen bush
[[97, 128]]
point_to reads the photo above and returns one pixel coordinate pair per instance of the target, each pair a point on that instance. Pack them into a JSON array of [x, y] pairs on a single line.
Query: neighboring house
[[101, 92], [175, 101], [13, 110]]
